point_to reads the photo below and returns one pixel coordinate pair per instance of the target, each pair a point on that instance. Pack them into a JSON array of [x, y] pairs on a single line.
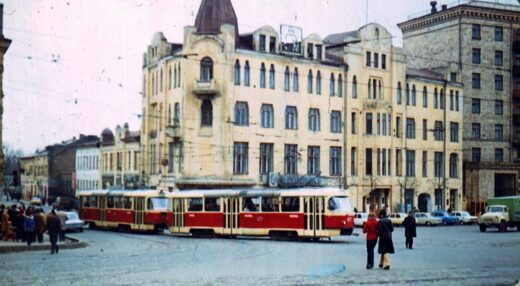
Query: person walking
[[54, 229], [370, 228], [410, 232], [40, 224], [386, 245], [5, 223], [62, 216], [29, 226], [19, 224]]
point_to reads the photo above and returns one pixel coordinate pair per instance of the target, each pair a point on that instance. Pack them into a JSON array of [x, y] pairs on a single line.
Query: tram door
[[102, 208], [139, 210], [178, 215], [314, 211], [231, 209]]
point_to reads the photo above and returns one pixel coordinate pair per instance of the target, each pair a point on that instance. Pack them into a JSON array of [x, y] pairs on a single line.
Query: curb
[[76, 243]]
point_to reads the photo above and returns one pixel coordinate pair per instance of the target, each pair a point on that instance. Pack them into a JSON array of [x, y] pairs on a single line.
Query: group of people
[[381, 230], [30, 224]]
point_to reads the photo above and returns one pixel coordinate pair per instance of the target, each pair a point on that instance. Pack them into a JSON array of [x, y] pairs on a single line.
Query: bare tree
[[406, 183], [11, 158]]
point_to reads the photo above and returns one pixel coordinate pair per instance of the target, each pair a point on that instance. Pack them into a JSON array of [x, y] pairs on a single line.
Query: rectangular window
[[353, 123], [475, 155], [267, 116], [499, 155], [383, 164], [425, 164], [438, 131], [410, 128], [170, 157], [368, 59], [452, 102], [384, 124], [240, 158], [410, 163], [291, 156], [369, 123], [376, 60], [453, 165], [335, 121], [310, 51], [335, 161], [353, 160], [475, 80], [475, 106], [499, 107], [499, 58], [499, 34], [272, 45], [291, 118], [499, 82], [389, 152], [457, 100], [425, 129], [378, 124], [319, 52], [439, 164], [314, 119], [266, 158], [378, 164], [383, 61], [262, 43], [241, 114], [397, 127], [475, 56], [453, 77], [475, 130], [313, 160], [454, 132], [368, 162], [499, 131], [398, 159], [425, 97], [475, 32]]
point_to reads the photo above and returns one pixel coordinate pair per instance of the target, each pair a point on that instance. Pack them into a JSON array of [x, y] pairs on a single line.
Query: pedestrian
[[385, 246], [370, 228], [5, 223], [410, 232], [19, 224], [29, 227], [54, 229], [62, 216], [40, 224], [12, 212]]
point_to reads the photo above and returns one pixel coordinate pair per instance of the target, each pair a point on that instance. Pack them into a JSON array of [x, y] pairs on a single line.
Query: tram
[[141, 210]]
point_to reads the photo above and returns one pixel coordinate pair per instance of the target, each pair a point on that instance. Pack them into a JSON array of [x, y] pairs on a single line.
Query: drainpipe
[[444, 142]]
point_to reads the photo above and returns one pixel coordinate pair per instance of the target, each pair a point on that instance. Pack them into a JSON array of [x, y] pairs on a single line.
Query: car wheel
[[461, 222], [482, 228], [428, 223], [502, 227], [81, 230]]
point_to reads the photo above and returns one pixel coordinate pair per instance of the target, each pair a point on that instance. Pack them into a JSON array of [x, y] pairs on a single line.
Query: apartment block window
[[369, 123], [340, 86], [454, 158], [353, 123], [499, 155], [376, 60], [457, 100], [425, 129], [475, 56], [240, 158], [266, 158], [310, 51], [291, 118], [438, 131], [176, 114], [410, 163], [368, 59], [291, 156], [475, 32], [353, 160], [296, 80], [442, 99], [499, 131], [354, 87], [389, 152], [398, 127], [454, 132], [378, 163], [314, 119], [313, 160], [267, 116], [475, 106], [272, 45], [383, 61], [407, 94], [335, 121], [318, 82], [435, 99], [414, 95], [475, 154], [262, 76], [206, 113], [499, 58], [453, 77], [475, 130], [272, 77], [499, 107], [384, 123], [384, 162], [399, 93], [398, 160], [425, 97], [206, 69], [319, 52], [368, 162], [475, 80], [438, 164], [410, 128], [237, 72], [309, 82], [335, 161], [425, 164], [499, 34], [369, 90], [262, 43], [241, 113], [332, 85], [246, 74], [452, 102], [286, 79], [499, 82], [378, 124]]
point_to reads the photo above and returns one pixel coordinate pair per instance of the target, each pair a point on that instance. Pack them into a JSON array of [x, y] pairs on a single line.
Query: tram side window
[[118, 202], [195, 205], [340, 204], [158, 204], [89, 202], [270, 204], [110, 202], [251, 204], [127, 203], [290, 204], [212, 204]]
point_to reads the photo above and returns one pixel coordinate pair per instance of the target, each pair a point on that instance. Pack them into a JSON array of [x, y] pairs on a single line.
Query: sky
[[75, 66]]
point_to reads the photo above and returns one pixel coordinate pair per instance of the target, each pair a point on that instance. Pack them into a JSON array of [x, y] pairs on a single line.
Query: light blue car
[[447, 219]]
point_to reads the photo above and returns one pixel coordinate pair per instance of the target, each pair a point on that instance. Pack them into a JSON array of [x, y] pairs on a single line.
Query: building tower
[[4, 45]]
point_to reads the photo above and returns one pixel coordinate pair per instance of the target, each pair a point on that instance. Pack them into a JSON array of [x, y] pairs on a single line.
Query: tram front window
[[158, 204], [340, 204]]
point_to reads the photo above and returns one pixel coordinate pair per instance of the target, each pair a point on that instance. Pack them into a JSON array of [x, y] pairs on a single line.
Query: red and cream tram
[[145, 210], [279, 214]]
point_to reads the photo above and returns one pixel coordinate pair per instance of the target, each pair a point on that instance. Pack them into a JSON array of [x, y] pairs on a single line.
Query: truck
[[502, 212]]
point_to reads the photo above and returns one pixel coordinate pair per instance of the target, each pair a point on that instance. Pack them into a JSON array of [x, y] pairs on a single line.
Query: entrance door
[[231, 215], [139, 211], [178, 215], [314, 211]]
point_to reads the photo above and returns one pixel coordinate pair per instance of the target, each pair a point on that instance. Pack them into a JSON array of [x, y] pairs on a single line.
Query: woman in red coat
[[370, 228]]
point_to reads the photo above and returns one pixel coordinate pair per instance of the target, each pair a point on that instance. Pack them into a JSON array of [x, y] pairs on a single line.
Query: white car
[[360, 219], [427, 219], [397, 218], [465, 217], [73, 222]]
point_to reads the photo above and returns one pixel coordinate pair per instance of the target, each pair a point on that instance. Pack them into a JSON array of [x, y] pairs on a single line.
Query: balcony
[[174, 131], [205, 87]]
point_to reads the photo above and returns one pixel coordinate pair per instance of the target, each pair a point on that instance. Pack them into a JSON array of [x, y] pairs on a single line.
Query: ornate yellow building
[[35, 178], [225, 109]]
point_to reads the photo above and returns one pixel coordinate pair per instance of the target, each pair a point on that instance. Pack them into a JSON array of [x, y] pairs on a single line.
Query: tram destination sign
[[291, 39]]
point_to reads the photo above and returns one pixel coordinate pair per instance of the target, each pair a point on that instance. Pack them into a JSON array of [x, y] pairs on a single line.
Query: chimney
[[434, 6], [444, 7]]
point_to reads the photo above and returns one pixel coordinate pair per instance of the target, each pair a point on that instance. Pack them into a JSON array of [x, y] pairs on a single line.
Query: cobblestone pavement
[[456, 255]]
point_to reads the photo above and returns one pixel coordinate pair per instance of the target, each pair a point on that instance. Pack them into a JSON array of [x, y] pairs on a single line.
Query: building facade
[[478, 44], [231, 110], [87, 167], [4, 45], [120, 159], [35, 176]]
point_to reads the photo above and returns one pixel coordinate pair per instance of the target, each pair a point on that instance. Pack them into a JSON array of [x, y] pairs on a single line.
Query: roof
[[424, 73], [339, 38], [213, 14]]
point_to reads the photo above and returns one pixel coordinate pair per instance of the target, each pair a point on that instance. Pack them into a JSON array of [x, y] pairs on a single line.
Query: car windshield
[[340, 204], [72, 216], [496, 209], [158, 204]]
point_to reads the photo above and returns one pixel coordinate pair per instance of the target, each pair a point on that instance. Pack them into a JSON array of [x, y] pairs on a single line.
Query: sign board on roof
[[291, 39]]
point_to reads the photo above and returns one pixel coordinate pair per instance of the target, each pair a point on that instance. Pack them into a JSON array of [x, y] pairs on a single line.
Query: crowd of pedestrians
[[29, 225]]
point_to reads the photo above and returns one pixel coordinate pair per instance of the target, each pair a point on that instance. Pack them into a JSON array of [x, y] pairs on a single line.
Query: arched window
[[206, 69], [374, 88], [369, 89], [286, 79], [267, 116], [262, 76], [161, 83], [340, 86], [441, 99], [291, 118], [153, 83], [407, 94], [241, 113], [425, 97], [354, 87], [237, 72], [296, 84], [399, 93], [179, 77], [414, 95], [246, 74], [206, 113], [169, 78], [380, 91], [176, 114], [332, 86], [175, 76], [435, 98], [318, 82], [271, 77], [309, 81]]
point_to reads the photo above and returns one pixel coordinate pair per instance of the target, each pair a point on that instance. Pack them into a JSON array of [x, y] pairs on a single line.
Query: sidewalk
[[13, 246]]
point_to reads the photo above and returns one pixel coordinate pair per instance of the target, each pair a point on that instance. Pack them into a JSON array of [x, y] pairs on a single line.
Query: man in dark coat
[[385, 246], [54, 229], [409, 230]]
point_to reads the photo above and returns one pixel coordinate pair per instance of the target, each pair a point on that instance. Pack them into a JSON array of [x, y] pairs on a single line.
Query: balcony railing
[[205, 87]]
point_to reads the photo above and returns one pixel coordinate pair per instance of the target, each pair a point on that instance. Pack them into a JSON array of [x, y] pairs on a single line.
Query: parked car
[[360, 219], [447, 219], [35, 202], [427, 219], [397, 218], [73, 223], [465, 217]]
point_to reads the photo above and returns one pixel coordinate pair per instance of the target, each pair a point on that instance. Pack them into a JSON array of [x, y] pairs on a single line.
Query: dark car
[[447, 219]]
